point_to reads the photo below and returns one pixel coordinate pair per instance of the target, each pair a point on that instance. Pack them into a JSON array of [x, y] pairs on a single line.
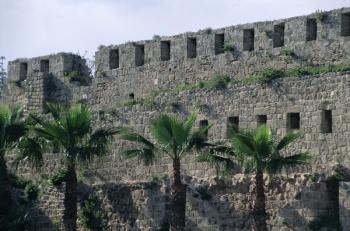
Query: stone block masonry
[[315, 105]]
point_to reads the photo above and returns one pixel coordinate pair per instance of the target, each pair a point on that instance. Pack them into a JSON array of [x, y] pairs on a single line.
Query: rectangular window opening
[[232, 125], [219, 43], [191, 48], [203, 124], [345, 24], [293, 121], [326, 121], [311, 29], [113, 59], [248, 40], [139, 55], [23, 71], [261, 120], [165, 50], [44, 65], [278, 35]]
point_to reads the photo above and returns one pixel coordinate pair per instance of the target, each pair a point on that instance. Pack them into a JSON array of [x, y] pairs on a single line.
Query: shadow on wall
[[56, 91], [135, 206], [218, 205], [43, 222], [315, 206]]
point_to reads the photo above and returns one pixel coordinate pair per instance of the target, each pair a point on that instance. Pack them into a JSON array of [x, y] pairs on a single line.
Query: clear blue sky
[[38, 27]]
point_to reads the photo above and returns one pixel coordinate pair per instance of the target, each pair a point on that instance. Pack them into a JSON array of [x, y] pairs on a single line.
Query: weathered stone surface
[[293, 199]]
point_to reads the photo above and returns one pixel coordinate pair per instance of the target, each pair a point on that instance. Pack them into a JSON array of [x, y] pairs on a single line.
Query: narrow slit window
[[248, 40], [165, 50], [23, 71], [139, 55], [311, 29], [278, 35], [261, 120], [44, 65], [203, 124], [113, 59], [326, 121], [219, 43], [345, 24], [191, 48], [293, 121], [232, 125]]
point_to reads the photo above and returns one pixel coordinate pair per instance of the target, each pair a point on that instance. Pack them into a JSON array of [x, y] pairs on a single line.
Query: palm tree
[[174, 137], [69, 132], [258, 151], [12, 128]]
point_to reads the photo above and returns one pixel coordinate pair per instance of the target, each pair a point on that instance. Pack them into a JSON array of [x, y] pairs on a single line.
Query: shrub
[[59, 177], [202, 192], [298, 71], [18, 182], [156, 37], [315, 177], [228, 48], [328, 221], [320, 16], [31, 191], [288, 52], [208, 30], [218, 82], [185, 86], [269, 74], [74, 76], [91, 214]]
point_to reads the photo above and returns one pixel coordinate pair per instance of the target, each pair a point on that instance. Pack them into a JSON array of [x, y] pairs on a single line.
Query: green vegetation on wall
[[92, 214]]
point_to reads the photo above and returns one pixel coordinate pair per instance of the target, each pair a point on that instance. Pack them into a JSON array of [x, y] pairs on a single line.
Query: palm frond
[[278, 163], [188, 123], [98, 144], [31, 150], [248, 163], [243, 142], [146, 155], [289, 138], [198, 139], [264, 142], [55, 110], [231, 131], [77, 121], [171, 133], [161, 129], [14, 132], [221, 163], [146, 152], [134, 137]]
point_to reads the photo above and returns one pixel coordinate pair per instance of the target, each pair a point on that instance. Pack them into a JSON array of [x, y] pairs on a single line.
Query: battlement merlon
[[243, 39], [60, 64]]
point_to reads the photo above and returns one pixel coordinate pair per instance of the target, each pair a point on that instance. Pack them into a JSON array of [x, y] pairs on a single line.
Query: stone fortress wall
[[316, 105]]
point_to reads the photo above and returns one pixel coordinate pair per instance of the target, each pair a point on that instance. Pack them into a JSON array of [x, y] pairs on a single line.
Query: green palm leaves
[[173, 136], [68, 130], [260, 150], [12, 127], [255, 150]]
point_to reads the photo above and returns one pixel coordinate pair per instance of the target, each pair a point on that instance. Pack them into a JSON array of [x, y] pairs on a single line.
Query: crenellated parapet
[[36, 81], [242, 40], [137, 81], [139, 68]]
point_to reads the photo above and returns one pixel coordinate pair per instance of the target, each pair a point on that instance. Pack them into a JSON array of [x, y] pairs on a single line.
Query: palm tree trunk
[[178, 200], [70, 199], [5, 195], [259, 212]]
